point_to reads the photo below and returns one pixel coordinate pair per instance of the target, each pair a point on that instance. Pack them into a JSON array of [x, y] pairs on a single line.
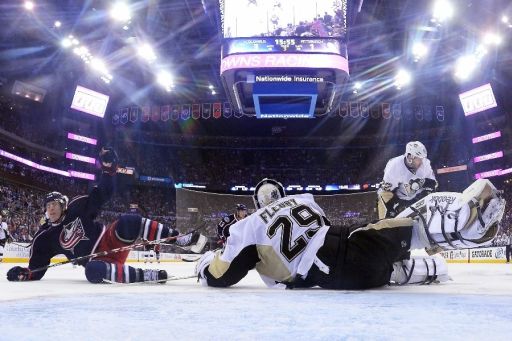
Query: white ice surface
[[476, 305]]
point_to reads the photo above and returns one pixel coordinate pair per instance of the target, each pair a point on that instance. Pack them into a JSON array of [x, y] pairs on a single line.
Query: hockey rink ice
[[475, 305]]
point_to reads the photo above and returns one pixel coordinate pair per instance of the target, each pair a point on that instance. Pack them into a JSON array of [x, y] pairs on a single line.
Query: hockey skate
[[193, 241], [459, 220], [158, 276]]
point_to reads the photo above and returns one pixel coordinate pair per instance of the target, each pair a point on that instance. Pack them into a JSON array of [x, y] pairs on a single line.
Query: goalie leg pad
[[420, 270], [460, 220]]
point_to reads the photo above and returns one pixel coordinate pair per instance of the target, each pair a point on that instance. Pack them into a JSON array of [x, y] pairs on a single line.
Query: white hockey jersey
[[280, 240], [397, 175], [3, 230]]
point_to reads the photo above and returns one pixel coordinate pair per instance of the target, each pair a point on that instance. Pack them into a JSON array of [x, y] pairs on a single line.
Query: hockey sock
[[98, 271], [130, 227]]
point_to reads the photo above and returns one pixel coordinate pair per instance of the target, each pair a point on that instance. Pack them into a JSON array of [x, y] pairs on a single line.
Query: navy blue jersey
[[224, 225], [77, 235]]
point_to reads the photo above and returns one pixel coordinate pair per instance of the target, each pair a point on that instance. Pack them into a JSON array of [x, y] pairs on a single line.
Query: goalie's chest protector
[[287, 234]]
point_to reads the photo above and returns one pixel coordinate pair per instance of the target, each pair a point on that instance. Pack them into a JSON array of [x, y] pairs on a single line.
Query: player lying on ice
[[70, 229], [289, 241]]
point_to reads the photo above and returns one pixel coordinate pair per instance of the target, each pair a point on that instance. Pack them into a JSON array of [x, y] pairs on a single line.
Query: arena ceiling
[[186, 36]]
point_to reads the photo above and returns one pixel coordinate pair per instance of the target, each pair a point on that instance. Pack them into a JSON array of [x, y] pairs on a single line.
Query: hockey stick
[[158, 281], [105, 253]]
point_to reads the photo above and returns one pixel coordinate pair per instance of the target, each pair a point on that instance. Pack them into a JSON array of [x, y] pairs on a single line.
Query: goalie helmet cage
[[209, 208]]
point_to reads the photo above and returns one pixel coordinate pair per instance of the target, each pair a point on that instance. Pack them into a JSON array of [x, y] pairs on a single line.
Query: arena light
[[81, 138], [486, 157], [66, 43], [452, 169], [491, 38], [120, 11], [443, 11], [486, 137], [465, 66], [488, 174], [504, 19], [57, 24], [402, 78], [146, 52], [81, 175], [81, 158], [164, 78], [419, 50], [29, 5]]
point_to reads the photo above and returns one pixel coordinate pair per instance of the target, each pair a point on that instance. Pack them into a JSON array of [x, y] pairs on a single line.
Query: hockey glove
[[201, 265], [108, 160], [18, 274]]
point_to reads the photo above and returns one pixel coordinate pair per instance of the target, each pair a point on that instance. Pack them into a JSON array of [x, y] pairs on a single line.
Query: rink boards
[[18, 253]]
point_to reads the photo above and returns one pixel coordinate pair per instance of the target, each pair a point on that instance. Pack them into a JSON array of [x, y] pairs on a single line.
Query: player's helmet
[[241, 207], [416, 149], [59, 197], [266, 192]]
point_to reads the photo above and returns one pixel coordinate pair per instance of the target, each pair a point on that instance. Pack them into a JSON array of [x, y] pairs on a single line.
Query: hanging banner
[[207, 110], [365, 110], [134, 114], [354, 109], [397, 111], [375, 112], [146, 113], [115, 118], [227, 110], [418, 112], [175, 112], [165, 112], [185, 111], [440, 113], [238, 114], [124, 115], [196, 111], [343, 109], [217, 110], [386, 111], [155, 113], [427, 111]]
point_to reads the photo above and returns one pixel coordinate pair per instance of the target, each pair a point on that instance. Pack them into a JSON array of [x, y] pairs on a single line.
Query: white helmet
[[266, 192], [416, 149]]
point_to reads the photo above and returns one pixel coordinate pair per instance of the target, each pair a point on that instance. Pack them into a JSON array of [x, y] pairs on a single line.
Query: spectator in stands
[[508, 245]]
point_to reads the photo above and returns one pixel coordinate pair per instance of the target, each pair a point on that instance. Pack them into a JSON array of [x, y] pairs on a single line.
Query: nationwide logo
[[72, 234]]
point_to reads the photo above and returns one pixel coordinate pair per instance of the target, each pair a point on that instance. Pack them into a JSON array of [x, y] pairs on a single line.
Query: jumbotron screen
[[284, 18]]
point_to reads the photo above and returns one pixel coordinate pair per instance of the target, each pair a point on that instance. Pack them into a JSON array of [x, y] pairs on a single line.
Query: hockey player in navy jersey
[[289, 241], [70, 229], [226, 222]]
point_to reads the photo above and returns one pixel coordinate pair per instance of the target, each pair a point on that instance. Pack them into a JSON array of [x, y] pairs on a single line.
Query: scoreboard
[[232, 46]]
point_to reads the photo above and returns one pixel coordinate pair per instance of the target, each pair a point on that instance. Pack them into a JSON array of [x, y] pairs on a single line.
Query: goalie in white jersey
[[407, 179], [289, 241]]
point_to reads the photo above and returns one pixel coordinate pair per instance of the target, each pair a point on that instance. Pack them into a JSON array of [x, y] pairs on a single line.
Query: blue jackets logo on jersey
[[72, 234]]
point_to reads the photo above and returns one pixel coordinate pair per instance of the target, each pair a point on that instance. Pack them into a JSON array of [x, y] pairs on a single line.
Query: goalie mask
[[266, 192]]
